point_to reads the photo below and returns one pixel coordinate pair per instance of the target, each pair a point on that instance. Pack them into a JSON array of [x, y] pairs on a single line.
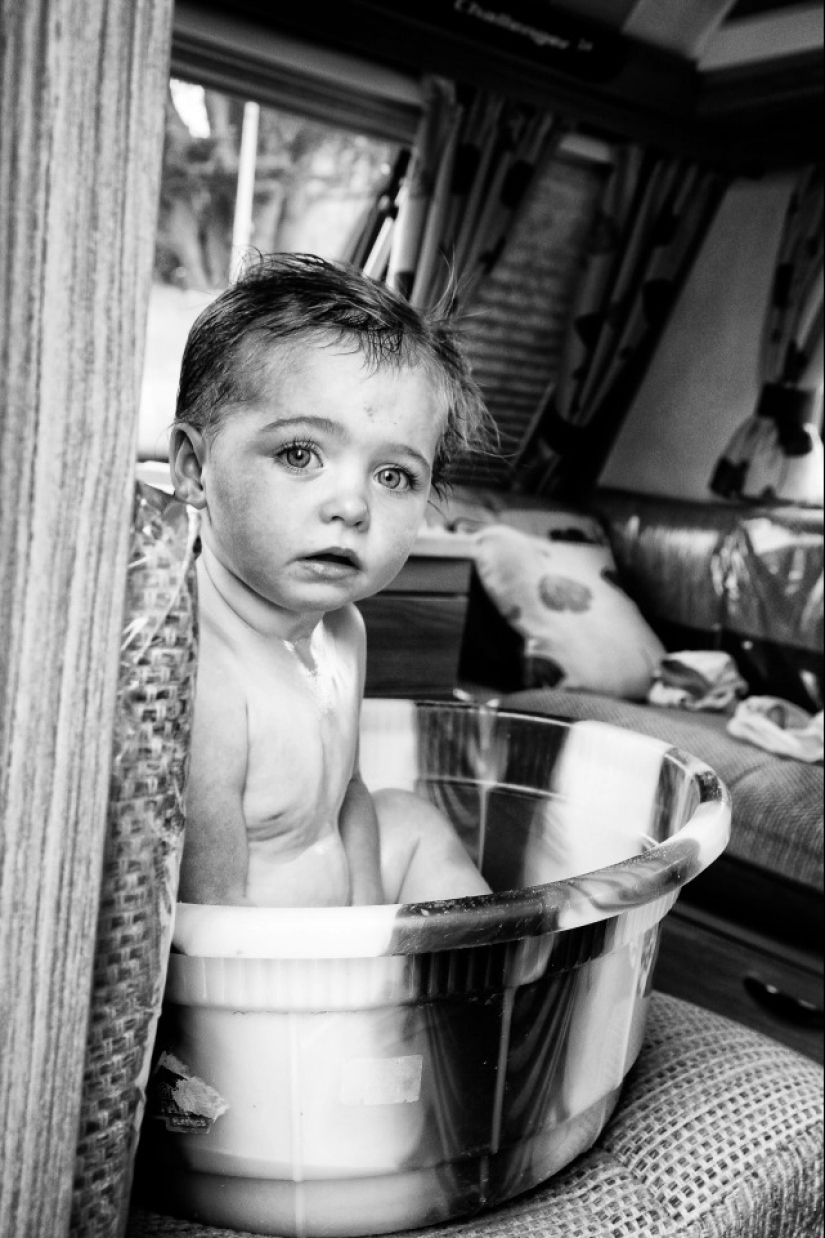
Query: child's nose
[[348, 504]]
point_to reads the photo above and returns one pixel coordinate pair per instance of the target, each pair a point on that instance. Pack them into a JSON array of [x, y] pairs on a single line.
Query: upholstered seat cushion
[[717, 1135], [743, 578], [777, 802]]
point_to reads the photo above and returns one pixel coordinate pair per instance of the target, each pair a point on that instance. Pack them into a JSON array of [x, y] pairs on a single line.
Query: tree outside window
[[313, 183]]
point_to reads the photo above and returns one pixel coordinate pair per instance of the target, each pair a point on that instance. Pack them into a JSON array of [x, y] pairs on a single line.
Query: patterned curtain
[[442, 223], [654, 215], [777, 452]]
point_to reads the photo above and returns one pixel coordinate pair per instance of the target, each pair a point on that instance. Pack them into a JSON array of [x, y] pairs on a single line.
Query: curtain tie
[[791, 409]]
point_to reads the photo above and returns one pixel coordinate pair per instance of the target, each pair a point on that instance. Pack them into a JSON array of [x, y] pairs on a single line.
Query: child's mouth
[[336, 557]]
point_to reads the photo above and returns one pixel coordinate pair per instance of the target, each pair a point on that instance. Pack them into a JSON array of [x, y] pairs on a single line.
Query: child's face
[[315, 489]]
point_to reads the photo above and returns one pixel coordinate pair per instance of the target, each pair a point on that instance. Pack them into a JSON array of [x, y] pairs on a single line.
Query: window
[[296, 168], [516, 326], [238, 175]]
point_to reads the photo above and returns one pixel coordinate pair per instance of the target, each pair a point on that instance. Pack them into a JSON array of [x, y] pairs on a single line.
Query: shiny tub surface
[[359, 1070]]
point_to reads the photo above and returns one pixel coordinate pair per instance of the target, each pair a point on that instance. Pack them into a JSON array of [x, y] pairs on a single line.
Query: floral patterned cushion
[[562, 595]]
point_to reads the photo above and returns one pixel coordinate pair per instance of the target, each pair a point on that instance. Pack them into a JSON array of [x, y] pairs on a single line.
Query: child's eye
[[298, 456], [395, 479]]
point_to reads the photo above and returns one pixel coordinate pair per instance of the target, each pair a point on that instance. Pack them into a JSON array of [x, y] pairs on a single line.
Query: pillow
[[581, 630]]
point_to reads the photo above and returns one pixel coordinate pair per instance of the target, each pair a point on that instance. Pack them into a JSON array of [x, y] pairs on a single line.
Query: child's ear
[[187, 456]]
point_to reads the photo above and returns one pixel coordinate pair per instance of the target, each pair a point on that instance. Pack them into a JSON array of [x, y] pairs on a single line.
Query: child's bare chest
[[302, 740]]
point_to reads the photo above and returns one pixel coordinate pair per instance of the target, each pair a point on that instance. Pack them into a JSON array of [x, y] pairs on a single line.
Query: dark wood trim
[[708, 961], [760, 901], [769, 113], [231, 71], [754, 147], [413, 643], [770, 87], [743, 121], [415, 43], [423, 574]]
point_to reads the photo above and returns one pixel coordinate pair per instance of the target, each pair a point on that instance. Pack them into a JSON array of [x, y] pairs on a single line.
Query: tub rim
[[221, 931]]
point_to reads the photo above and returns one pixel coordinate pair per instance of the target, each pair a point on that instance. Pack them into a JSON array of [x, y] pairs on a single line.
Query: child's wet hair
[[292, 299]]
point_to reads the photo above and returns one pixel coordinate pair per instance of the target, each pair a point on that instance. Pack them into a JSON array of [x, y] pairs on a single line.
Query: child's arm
[[359, 833], [357, 822], [215, 853]]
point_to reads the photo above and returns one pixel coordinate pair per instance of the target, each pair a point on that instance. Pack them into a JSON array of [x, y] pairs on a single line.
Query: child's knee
[[390, 801], [422, 857], [407, 825], [406, 814]]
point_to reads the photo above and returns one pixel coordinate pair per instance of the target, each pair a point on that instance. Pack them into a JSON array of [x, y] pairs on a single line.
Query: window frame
[[251, 60]]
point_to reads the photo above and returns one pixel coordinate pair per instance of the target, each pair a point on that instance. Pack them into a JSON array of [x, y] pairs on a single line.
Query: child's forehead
[[272, 368]]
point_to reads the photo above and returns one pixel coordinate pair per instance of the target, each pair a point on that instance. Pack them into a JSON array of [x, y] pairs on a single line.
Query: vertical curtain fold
[[446, 220], [777, 452], [654, 215], [793, 322]]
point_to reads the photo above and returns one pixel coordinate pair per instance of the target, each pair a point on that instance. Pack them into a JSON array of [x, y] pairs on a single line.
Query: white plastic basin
[[354, 1071]]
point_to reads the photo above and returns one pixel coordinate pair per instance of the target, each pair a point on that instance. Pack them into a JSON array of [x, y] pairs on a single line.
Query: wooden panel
[[653, 96], [424, 574], [755, 898], [413, 644], [418, 38], [213, 48], [780, 995], [82, 95]]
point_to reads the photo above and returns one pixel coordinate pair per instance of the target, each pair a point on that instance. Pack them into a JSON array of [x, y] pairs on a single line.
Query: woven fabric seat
[[718, 1134]]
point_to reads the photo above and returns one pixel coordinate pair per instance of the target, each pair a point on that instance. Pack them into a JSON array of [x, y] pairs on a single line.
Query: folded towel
[[781, 727], [697, 679]]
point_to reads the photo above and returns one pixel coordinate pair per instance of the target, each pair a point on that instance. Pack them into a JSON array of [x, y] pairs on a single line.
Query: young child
[[316, 411]]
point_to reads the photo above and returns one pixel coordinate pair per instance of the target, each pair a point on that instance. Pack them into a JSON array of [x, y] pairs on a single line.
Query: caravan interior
[[627, 199], [621, 200]]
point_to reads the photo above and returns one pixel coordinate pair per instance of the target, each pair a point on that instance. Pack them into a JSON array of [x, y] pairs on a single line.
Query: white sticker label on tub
[[184, 1103], [381, 1080]]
